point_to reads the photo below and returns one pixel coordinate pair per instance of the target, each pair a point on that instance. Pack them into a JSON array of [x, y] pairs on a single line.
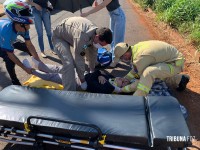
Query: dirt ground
[[191, 97]]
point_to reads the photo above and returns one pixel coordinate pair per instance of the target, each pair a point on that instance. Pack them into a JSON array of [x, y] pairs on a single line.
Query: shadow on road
[[55, 12], [54, 59], [5, 81], [120, 70], [23, 53], [191, 100]]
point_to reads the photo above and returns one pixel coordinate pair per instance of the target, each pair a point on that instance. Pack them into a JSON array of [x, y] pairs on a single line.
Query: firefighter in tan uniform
[[151, 60], [85, 38]]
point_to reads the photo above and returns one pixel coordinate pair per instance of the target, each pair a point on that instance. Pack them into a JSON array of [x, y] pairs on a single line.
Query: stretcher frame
[[36, 136], [34, 139]]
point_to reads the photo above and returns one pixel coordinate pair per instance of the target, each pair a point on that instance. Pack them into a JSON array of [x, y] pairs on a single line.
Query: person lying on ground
[[98, 82]]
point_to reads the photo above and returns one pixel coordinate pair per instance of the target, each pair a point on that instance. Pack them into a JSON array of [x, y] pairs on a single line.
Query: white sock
[[26, 63], [35, 62]]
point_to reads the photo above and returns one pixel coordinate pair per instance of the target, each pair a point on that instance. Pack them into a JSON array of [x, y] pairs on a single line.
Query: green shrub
[[195, 32], [150, 2], [195, 36], [182, 11], [142, 3], [186, 27], [145, 3], [161, 5], [183, 15]]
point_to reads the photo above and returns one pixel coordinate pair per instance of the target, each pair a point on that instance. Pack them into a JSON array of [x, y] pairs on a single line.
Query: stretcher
[[32, 116]]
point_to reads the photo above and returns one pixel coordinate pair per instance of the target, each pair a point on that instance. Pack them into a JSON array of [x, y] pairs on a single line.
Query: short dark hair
[[105, 34]]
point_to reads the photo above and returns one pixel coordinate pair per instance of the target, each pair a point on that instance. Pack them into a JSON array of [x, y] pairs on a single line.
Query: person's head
[[121, 82], [122, 52], [20, 13], [103, 37]]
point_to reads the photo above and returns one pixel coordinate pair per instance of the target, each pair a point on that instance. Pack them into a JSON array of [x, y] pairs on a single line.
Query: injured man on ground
[[97, 82]]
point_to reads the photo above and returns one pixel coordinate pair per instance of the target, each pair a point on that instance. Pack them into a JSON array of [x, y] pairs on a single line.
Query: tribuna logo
[[180, 138]]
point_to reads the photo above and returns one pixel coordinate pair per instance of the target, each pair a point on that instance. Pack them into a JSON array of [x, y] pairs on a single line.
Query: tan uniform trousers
[[62, 48], [165, 71]]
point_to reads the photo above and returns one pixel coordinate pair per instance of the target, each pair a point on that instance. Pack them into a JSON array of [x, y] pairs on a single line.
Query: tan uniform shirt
[[152, 52], [79, 33]]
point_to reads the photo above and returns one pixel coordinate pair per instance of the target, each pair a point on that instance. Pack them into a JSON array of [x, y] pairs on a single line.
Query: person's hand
[[38, 7], [84, 85], [102, 79], [49, 5], [95, 4], [84, 14], [28, 70]]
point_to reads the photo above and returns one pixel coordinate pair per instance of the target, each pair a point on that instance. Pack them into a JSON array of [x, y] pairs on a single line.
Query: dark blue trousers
[[10, 65]]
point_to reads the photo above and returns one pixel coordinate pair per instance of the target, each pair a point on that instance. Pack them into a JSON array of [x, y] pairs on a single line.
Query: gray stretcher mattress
[[124, 119]]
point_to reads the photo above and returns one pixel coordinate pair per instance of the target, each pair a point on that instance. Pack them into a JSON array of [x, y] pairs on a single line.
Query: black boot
[[182, 85]]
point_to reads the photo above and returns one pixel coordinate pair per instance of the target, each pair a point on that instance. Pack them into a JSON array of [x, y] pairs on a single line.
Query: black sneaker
[[184, 81]]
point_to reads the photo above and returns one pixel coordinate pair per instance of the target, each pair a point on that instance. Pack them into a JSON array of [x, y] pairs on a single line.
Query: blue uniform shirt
[[8, 35]]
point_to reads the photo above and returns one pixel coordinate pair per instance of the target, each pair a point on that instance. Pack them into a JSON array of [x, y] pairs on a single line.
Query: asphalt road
[[135, 32]]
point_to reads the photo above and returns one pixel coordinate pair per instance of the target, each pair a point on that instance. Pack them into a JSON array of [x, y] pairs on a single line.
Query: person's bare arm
[[32, 49], [97, 8], [18, 62]]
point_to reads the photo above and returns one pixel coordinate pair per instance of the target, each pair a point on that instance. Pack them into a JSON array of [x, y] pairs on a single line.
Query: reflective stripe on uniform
[[127, 89], [171, 68], [179, 62], [143, 88], [136, 48], [129, 76], [134, 51]]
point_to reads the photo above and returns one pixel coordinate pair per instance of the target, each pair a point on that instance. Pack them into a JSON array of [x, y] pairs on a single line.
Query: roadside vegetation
[[183, 15]]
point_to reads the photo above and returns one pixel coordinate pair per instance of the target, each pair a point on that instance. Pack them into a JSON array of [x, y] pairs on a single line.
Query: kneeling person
[[151, 60]]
